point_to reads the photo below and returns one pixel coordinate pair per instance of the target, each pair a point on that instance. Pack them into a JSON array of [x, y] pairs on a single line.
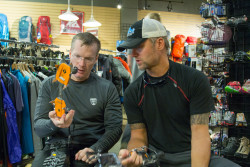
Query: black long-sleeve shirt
[[97, 122]]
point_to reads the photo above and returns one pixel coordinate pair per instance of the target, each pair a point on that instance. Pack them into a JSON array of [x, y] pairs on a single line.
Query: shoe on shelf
[[215, 137], [232, 146], [241, 56], [246, 87], [229, 59], [213, 119], [240, 120], [244, 148], [233, 87], [229, 118]]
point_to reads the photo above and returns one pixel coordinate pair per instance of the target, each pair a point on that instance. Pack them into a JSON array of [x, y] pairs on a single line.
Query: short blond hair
[[87, 39], [155, 16]]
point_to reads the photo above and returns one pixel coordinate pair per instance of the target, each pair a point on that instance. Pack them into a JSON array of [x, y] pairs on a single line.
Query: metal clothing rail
[[32, 58], [29, 43], [107, 50]]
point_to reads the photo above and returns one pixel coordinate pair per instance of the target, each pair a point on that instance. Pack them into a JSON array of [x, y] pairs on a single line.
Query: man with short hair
[[135, 74], [94, 121], [168, 106], [131, 60]]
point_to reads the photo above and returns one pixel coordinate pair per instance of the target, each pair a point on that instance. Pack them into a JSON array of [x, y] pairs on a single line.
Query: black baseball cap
[[140, 31]]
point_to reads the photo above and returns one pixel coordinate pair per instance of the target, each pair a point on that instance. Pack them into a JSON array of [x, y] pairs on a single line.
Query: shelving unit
[[237, 70], [239, 103]]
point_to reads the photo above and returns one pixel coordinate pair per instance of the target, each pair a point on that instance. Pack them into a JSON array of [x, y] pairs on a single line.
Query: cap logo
[[131, 31]]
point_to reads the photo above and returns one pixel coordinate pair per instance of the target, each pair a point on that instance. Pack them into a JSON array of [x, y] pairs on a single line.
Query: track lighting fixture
[[68, 15], [92, 22], [170, 7], [146, 6]]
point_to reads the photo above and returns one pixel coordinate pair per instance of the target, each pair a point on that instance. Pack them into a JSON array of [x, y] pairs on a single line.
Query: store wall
[[129, 11], [115, 23], [108, 33], [178, 23]]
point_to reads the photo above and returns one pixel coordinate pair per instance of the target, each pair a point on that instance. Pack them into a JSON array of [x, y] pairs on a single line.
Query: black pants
[[46, 152], [183, 159]]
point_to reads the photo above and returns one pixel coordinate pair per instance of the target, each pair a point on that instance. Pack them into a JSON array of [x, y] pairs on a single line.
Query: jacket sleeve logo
[[93, 101]]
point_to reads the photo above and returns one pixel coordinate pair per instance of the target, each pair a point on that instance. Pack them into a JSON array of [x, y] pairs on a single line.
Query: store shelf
[[240, 25], [217, 44]]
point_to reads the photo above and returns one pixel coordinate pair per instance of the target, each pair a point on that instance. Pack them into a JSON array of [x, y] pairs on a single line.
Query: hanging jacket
[[33, 94], [122, 70], [13, 139], [10, 86], [18, 102], [3, 132], [26, 136], [18, 94], [110, 71], [125, 64]]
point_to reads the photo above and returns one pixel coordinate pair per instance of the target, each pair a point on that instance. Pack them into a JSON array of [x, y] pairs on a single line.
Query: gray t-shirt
[[97, 121]]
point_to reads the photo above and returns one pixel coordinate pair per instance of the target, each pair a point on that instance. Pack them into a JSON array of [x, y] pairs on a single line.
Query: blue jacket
[[26, 136], [13, 139]]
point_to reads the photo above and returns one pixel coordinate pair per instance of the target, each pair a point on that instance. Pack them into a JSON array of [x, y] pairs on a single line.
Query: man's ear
[[96, 58], [160, 43]]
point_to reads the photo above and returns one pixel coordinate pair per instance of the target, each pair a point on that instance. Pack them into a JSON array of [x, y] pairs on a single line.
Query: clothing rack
[[107, 50], [29, 43], [32, 58], [35, 52], [113, 53]]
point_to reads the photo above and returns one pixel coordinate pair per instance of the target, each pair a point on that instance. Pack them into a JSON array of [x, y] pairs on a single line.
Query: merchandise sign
[[93, 31], [72, 27]]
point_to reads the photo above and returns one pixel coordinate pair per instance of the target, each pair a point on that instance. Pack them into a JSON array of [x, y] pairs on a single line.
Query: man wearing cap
[[168, 106], [135, 74]]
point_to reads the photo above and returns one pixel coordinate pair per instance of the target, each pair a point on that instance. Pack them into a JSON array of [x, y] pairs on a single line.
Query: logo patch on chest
[[93, 101]]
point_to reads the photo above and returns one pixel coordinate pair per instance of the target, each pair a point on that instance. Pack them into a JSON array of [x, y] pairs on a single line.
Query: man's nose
[[134, 52], [82, 62]]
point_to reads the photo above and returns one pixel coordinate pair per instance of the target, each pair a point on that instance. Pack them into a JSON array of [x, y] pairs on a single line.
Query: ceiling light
[[119, 4], [92, 22], [68, 15]]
